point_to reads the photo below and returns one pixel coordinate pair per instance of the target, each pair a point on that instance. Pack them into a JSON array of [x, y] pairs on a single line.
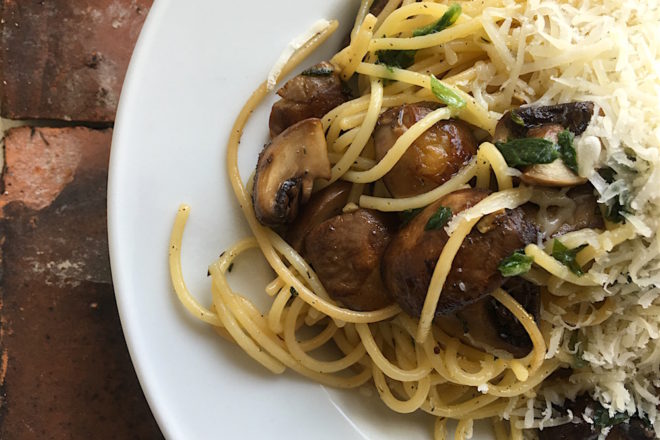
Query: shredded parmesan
[[608, 52]]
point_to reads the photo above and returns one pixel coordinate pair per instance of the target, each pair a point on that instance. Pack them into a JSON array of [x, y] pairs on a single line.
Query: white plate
[[194, 66]]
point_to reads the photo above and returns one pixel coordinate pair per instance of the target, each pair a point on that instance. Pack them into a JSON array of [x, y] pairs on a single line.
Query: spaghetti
[[496, 56]]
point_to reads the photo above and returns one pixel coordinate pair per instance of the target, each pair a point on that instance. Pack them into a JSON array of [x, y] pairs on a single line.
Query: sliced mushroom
[[490, 323], [311, 94], [574, 116], [580, 212], [556, 173], [411, 257], [586, 213], [578, 428], [323, 205], [585, 408], [346, 251], [438, 154], [286, 170]]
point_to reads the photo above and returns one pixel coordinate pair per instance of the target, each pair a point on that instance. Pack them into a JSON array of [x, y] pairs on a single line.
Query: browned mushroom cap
[[586, 214], [489, 322], [574, 116], [345, 251], [631, 429], [323, 205], [438, 154], [311, 94], [410, 259], [286, 170], [551, 174], [579, 428]]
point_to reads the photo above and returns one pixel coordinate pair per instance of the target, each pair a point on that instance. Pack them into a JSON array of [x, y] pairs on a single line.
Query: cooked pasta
[[599, 286]]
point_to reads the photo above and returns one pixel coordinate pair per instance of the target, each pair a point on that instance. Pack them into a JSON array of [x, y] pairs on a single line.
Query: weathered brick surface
[[66, 372], [66, 59]]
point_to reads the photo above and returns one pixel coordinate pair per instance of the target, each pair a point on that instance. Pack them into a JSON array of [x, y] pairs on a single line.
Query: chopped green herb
[[578, 360], [515, 117], [321, 70], [567, 256], [515, 264], [608, 174], [438, 219], [602, 418], [614, 212], [293, 291], [409, 214], [231, 266], [446, 94], [396, 58], [615, 209], [447, 19], [567, 150], [527, 151]]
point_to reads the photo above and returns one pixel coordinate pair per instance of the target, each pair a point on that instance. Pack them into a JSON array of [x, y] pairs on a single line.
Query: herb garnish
[[515, 117], [515, 264], [409, 214], [396, 58], [406, 58], [527, 151], [318, 71], [293, 291], [567, 150], [602, 418], [567, 256], [615, 211], [447, 19], [446, 94], [608, 174], [438, 219]]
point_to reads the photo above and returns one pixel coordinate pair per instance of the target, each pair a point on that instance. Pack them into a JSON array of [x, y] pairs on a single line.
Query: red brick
[[65, 367], [66, 59]]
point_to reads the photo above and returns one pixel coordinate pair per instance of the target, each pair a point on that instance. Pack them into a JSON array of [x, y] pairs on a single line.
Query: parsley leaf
[[439, 218], [515, 117], [396, 58], [447, 19], [527, 151], [614, 212], [567, 151], [602, 418], [566, 256], [615, 208], [409, 214], [445, 94], [515, 264]]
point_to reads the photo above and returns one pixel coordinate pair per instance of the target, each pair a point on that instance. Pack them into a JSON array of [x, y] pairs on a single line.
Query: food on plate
[[434, 157], [311, 94], [286, 170], [411, 259], [346, 252], [461, 209]]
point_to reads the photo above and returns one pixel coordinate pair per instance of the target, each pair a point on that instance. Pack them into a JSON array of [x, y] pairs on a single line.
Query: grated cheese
[[608, 52]]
